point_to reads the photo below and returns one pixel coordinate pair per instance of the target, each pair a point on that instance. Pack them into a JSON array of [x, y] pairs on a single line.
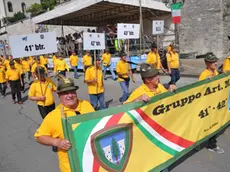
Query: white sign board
[[93, 41], [128, 31], [158, 27], [33, 44]]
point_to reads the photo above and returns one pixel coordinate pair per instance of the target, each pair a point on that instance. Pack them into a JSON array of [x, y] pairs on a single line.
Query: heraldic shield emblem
[[112, 146]]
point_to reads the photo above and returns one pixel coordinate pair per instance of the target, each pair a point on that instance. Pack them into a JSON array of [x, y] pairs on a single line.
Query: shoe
[[105, 78], [14, 102], [115, 79], [3, 95], [217, 150], [20, 102]]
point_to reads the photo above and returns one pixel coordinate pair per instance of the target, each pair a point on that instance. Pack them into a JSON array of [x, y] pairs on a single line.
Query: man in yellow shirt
[[106, 58], [153, 58], [173, 62], [74, 63], [26, 67], [13, 77], [226, 65], [210, 71], [44, 60], [61, 66], [18, 65], [87, 60], [35, 65], [151, 85], [211, 65], [94, 79], [3, 84], [6, 62], [124, 71], [50, 132], [41, 91]]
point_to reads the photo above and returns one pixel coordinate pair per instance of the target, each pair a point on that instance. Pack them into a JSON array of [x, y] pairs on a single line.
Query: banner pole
[[95, 65]]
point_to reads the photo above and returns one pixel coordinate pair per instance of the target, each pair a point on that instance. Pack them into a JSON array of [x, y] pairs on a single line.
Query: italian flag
[[176, 12]]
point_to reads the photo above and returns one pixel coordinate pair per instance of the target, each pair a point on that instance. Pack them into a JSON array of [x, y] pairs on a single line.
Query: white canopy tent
[[101, 12]]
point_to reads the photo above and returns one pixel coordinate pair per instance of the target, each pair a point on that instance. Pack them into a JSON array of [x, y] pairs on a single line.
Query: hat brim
[[73, 88], [211, 61]]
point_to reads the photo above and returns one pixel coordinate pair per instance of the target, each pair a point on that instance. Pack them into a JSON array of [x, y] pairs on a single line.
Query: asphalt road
[[19, 152]]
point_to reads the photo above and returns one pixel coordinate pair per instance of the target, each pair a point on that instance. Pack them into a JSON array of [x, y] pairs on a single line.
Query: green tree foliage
[[17, 17], [115, 150], [48, 4], [35, 9]]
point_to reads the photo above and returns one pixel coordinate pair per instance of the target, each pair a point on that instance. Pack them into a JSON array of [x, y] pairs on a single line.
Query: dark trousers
[[62, 72], [23, 82], [29, 75], [46, 65], [212, 142], [44, 110], [16, 89], [3, 87], [175, 76]]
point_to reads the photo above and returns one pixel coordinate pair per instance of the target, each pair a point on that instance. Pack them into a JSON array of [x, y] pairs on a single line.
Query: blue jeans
[[95, 98], [75, 71], [175, 76], [111, 70], [125, 88]]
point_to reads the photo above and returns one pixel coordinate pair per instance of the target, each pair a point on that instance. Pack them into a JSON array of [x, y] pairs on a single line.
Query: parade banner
[[149, 137], [33, 44]]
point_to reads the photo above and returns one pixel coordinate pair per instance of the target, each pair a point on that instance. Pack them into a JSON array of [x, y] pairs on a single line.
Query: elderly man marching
[[50, 132], [210, 71], [94, 79], [106, 58]]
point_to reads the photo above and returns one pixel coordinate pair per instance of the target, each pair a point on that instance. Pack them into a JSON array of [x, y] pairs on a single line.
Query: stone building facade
[[205, 27]]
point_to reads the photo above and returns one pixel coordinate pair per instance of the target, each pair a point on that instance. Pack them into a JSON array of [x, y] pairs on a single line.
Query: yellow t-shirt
[[173, 60], [226, 65], [44, 60], [87, 60], [13, 74], [36, 65], [26, 65], [207, 73], [73, 60], [98, 87], [7, 64], [52, 126], [47, 88], [61, 65], [122, 68], [143, 89], [2, 74], [154, 59], [106, 58]]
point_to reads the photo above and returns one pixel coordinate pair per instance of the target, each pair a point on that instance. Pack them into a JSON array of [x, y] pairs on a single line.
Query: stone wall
[[226, 29], [202, 28], [17, 5]]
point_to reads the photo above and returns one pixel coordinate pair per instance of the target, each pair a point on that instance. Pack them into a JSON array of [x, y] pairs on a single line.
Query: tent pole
[[141, 27], [63, 35]]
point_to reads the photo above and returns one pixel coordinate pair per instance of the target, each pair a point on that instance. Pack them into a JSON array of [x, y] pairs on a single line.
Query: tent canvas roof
[[100, 12]]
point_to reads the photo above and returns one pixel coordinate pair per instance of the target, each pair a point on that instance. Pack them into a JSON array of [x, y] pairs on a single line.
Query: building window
[[10, 6], [23, 7]]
